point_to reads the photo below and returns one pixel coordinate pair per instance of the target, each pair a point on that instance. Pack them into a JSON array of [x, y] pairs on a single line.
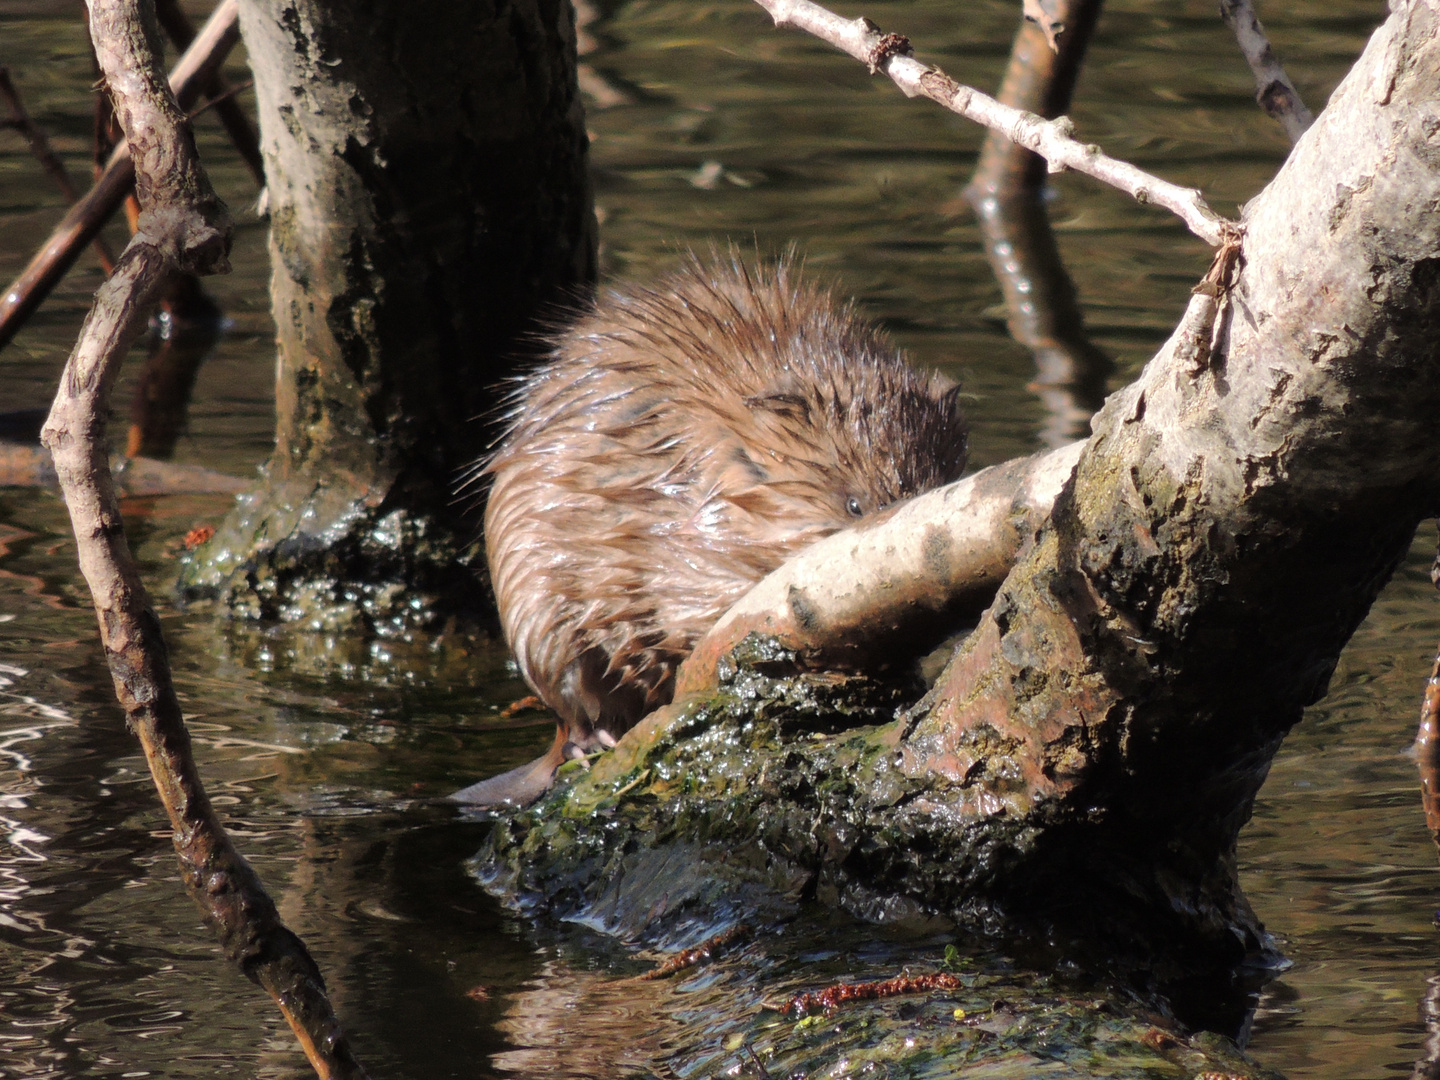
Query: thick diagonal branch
[[883, 586]]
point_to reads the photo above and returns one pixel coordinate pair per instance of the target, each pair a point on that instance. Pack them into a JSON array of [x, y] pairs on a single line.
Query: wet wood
[[23, 465], [1081, 771], [184, 228]]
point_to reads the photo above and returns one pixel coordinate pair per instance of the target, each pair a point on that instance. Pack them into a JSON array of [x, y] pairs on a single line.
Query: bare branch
[[1273, 89], [53, 166], [930, 564], [183, 228], [1051, 139]]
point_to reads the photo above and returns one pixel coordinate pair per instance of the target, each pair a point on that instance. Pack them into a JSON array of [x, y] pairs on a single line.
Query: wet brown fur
[[682, 442]]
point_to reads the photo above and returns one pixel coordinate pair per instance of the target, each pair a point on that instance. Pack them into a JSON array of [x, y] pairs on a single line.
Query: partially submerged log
[[24, 465], [1080, 772]]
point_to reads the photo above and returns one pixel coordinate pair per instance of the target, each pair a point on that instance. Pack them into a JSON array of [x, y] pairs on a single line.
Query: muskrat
[[680, 443]]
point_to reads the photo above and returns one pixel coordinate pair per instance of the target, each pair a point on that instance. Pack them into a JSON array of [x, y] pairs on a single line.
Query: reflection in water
[[177, 348], [1044, 312], [1007, 193], [573, 1023]]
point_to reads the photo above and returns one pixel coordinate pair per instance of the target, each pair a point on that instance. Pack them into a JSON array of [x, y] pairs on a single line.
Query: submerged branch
[[1051, 139], [22, 465], [184, 228]]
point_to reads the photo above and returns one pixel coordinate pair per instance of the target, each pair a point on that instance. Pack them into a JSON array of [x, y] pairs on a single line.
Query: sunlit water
[[733, 130]]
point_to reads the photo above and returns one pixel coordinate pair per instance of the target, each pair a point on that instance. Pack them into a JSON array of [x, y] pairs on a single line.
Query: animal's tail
[[522, 786]]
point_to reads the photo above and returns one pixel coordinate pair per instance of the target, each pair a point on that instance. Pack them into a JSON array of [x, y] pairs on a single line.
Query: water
[[732, 130]]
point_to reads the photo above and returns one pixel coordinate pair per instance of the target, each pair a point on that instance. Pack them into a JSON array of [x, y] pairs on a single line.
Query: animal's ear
[[951, 398]]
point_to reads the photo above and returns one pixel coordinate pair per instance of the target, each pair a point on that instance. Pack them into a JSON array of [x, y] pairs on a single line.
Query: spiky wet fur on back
[[683, 441]]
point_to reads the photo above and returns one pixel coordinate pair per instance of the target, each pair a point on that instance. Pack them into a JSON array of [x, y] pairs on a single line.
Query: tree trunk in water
[[1080, 772], [428, 202]]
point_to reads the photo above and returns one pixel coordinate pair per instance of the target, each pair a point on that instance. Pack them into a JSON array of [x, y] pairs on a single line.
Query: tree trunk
[[1081, 770], [428, 200]]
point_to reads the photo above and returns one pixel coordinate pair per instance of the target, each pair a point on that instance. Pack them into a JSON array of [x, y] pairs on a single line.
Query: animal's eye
[[852, 507]]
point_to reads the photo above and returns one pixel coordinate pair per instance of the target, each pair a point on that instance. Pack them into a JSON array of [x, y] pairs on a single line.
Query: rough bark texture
[[1228, 528], [428, 201], [1084, 765]]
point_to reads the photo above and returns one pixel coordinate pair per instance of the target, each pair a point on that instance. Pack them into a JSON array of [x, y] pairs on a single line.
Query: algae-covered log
[[1082, 768]]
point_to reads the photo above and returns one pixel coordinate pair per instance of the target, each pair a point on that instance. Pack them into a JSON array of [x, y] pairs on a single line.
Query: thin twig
[[49, 161], [184, 228], [1273, 89], [764, 1072], [219, 99], [1051, 139], [88, 216]]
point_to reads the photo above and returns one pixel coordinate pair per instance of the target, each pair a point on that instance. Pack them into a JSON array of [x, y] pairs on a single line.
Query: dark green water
[[317, 748]]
